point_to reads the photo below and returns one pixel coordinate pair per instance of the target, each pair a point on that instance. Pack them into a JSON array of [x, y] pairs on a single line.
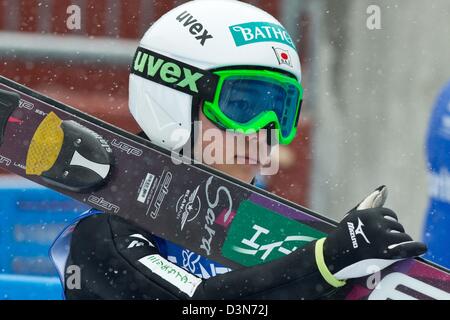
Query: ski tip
[[8, 102], [380, 199]]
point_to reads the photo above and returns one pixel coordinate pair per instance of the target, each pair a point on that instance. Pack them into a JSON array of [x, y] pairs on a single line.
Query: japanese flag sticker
[[283, 56]]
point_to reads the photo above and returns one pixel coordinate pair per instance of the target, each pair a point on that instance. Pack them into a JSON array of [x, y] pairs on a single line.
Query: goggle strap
[[297, 118], [174, 74]]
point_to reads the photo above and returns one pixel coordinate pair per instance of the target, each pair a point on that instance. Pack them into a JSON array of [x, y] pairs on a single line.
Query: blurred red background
[[101, 88]]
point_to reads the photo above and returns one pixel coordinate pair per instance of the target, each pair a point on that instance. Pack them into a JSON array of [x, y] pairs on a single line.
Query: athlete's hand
[[369, 238]]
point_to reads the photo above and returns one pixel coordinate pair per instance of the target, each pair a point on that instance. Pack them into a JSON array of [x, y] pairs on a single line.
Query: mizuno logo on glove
[[353, 232]]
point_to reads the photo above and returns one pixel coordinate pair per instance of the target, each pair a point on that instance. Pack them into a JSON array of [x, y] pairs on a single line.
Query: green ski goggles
[[237, 99], [250, 100]]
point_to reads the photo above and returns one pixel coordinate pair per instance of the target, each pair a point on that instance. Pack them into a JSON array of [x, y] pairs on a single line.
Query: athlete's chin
[[251, 169]]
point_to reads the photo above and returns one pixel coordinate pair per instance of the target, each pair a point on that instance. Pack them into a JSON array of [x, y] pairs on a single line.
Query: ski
[[215, 217]]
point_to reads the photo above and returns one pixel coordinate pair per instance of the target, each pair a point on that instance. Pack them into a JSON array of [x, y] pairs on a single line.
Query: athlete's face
[[239, 157]]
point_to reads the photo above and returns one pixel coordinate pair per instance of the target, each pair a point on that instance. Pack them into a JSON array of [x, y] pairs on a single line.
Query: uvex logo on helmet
[[196, 27], [151, 67]]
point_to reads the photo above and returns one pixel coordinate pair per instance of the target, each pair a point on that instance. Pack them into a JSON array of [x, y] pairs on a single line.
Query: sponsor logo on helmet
[[283, 56], [196, 28], [169, 72], [252, 32]]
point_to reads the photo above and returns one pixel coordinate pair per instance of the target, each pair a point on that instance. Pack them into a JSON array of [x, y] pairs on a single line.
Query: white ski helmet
[[207, 34]]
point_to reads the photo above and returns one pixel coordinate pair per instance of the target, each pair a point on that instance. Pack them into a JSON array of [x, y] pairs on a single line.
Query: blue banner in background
[[31, 217], [437, 221]]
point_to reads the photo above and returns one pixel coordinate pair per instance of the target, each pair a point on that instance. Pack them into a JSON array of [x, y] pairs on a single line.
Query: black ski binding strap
[[68, 155]]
